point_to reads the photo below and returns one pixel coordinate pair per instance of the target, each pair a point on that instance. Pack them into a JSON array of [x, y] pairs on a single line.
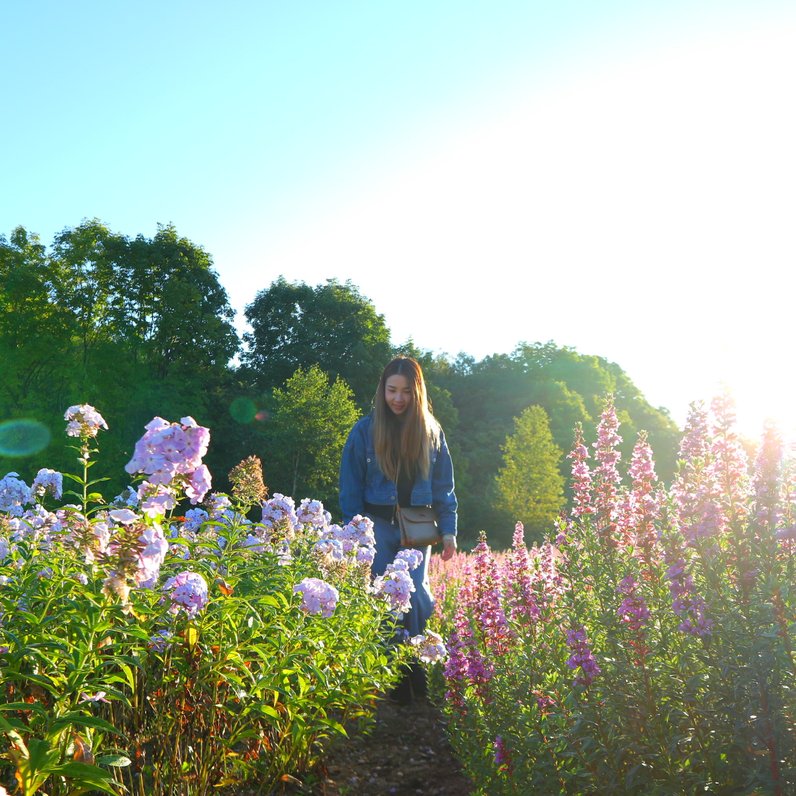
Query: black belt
[[383, 512]]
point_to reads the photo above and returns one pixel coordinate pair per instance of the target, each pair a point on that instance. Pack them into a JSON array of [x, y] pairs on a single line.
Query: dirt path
[[405, 754]]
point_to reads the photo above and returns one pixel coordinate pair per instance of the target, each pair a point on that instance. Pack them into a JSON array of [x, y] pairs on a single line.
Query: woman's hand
[[448, 546]]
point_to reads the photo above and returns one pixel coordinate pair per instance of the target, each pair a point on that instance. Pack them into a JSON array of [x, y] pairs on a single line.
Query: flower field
[[647, 646], [147, 652], [166, 642]]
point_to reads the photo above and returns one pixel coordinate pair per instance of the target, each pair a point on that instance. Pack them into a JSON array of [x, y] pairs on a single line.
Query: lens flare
[[23, 437], [243, 410]]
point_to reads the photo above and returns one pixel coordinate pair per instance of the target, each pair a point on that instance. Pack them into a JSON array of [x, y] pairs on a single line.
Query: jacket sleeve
[[442, 489], [353, 470]]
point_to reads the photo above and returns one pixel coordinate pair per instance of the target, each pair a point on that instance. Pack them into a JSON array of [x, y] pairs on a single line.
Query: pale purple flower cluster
[[412, 557], [342, 546], [153, 547], [161, 641], [581, 657], [312, 512], [83, 421], [127, 498], [279, 510], [187, 592], [218, 504], [123, 516], [156, 499], [318, 596], [194, 519], [255, 542], [172, 452], [358, 532], [14, 494], [330, 550], [100, 541], [48, 481], [430, 647], [36, 524], [396, 585]]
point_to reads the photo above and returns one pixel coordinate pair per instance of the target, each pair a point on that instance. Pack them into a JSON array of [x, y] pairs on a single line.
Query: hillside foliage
[[143, 326]]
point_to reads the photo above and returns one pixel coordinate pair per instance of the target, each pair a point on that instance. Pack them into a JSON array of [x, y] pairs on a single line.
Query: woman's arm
[[442, 489]]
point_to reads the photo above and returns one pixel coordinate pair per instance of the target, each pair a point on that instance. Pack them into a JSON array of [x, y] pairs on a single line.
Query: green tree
[[310, 420], [529, 486], [135, 327], [332, 325]]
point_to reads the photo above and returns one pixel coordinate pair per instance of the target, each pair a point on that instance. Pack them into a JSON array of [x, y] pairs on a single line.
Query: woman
[[397, 455]]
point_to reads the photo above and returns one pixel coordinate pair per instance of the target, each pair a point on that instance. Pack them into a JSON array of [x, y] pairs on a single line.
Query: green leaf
[[84, 771], [36, 707], [83, 720], [88, 777], [268, 711], [74, 478], [117, 761]]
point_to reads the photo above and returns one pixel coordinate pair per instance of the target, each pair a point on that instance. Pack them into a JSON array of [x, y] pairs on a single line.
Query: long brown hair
[[405, 443]]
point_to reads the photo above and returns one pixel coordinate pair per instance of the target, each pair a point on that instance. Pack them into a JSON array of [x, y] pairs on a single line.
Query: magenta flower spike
[[646, 499], [606, 476], [768, 509], [695, 489], [488, 600], [581, 657], [730, 466], [581, 476], [520, 596]]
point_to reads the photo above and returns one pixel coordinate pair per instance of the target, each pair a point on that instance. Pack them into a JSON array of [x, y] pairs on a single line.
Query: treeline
[[142, 326]]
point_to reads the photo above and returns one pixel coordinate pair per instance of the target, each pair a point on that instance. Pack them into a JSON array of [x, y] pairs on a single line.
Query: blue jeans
[[388, 543]]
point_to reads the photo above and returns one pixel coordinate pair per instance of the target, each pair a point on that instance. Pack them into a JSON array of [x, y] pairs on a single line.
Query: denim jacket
[[362, 481]]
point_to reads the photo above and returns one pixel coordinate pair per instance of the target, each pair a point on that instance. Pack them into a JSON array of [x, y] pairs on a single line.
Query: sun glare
[[638, 206]]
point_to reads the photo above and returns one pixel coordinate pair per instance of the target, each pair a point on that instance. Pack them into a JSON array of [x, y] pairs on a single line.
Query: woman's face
[[398, 393]]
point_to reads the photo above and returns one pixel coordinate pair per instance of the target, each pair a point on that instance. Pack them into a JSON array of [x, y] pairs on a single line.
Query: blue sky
[[614, 176]]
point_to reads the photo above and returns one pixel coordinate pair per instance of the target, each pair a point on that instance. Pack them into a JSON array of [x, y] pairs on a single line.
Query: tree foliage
[[489, 394], [304, 441], [331, 325], [141, 326], [529, 486], [137, 327]]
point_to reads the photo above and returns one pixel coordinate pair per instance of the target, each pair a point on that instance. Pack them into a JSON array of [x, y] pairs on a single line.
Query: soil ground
[[405, 753]]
